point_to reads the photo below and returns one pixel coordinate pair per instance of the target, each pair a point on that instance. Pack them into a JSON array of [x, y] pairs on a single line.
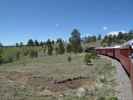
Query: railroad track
[[124, 87], [124, 55]]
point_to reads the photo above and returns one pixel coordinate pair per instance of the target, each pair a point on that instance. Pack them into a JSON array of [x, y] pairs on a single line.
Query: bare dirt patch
[[40, 79], [71, 83], [19, 77], [39, 83]]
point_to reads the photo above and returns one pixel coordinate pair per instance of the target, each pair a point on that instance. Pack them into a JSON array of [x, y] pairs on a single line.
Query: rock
[[45, 93], [102, 78], [81, 92], [99, 85], [60, 97]]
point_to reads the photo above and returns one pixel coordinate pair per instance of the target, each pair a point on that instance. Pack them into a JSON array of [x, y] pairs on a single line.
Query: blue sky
[[43, 19]]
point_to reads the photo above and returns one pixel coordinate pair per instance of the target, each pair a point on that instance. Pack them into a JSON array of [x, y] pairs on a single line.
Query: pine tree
[[17, 44], [60, 46], [1, 58], [49, 47], [1, 45], [21, 44], [30, 42], [36, 43], [99, 37], [75, 41], [69, 48]]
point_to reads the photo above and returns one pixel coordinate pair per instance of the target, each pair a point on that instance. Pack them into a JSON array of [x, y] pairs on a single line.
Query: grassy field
[[54, 78]]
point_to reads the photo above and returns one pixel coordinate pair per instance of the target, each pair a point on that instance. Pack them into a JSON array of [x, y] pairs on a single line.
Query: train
[[122, 53]]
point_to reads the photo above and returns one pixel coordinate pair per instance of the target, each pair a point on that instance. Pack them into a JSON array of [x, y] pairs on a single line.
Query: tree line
[[59, 46], [110, 40], [35, 48]]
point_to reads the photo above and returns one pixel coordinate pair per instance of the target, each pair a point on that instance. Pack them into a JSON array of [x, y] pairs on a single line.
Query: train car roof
[[125, 45], [116, 46], [128, 43]]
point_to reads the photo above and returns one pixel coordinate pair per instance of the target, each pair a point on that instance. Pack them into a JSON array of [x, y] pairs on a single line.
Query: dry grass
[[53, 77]]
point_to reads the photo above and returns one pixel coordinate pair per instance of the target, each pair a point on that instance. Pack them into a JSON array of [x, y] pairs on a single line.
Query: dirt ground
[[42, 80]]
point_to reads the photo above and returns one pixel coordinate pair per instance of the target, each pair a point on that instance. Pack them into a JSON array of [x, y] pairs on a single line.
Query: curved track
[[124, 87]]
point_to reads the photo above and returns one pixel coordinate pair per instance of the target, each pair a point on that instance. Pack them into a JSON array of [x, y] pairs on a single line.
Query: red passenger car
[[123, 53]]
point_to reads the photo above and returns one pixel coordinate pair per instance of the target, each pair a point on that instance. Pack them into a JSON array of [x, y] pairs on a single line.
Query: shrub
[[18, 55], [49, 47], [50, 51], [93, 55], [69, 48], [60, 46], [44, 50], [10, 59], [25, 52], [33, 54], [87, 58], [102, 98], [1, 59], [113, 98], [69, 59], [110, 98]]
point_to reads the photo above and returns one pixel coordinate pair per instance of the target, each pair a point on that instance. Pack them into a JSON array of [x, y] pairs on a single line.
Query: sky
[[21, 20]]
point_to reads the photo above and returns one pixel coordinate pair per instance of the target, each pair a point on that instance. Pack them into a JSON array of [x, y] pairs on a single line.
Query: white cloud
[[105, 28], [90, 34], [28, 35], [57, 25], [115, 32]]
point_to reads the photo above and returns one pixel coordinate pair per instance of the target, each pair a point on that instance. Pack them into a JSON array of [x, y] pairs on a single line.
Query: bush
[[60, 49], [93, 55], [25, 52], [102, 98], [69, 48], [10, 59], [33, 54], [108, 98], [18, 55], [49, 47], [44, 50], [1, 59], [87, 58], [9, 55], [69, 59], [113, 98]]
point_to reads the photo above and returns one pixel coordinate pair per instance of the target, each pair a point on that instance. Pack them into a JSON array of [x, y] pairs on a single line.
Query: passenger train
[[122, 53]]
